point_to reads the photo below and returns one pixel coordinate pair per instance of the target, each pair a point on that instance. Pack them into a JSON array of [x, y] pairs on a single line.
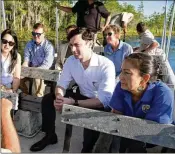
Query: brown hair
[[39, 25], [114, 28], [71, 27], [86, 34]]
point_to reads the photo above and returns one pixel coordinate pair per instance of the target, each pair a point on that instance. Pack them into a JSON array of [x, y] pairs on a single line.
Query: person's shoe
[[47, 140]]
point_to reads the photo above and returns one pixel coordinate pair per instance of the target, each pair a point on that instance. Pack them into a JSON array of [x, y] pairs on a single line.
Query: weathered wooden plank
[[31, 98], [30, 106], [13, 97], [37, 73], [30, 103], [129, 127]]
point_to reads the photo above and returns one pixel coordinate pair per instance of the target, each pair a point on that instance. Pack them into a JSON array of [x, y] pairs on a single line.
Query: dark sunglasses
[[36, 34], [4, 41], [108, 34]]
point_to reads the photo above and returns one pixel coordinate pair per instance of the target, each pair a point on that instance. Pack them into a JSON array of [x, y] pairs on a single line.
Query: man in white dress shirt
[[95, 77]]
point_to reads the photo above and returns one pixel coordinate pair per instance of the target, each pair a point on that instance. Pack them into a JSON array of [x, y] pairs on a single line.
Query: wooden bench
[[28, 119], [119, 125], [32, 72]]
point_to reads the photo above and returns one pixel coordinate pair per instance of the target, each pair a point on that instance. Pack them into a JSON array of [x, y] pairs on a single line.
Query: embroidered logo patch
[[145, 108]]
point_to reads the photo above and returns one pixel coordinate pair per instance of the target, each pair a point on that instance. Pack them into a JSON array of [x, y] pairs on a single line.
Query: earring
[[140, 88]]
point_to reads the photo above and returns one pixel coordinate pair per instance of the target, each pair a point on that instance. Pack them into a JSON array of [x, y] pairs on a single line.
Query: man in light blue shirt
[[116, 50], [38, 52]]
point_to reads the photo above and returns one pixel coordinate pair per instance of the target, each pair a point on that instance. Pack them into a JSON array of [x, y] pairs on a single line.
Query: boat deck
[[76, 140]]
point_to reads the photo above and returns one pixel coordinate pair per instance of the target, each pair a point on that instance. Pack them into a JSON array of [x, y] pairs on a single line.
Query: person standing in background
[[89, 13]]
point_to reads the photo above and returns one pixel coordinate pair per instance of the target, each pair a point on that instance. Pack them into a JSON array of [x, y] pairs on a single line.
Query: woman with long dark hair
[[10, 61], [9, 81]]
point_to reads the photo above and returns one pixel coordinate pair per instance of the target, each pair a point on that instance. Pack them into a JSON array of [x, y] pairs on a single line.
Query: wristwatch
[[76, 103]]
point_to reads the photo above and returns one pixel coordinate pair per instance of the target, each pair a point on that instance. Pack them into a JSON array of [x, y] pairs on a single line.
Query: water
[[134, 41]]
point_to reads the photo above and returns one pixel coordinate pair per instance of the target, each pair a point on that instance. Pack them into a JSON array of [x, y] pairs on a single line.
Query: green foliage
[[141, 10], [21, 15]]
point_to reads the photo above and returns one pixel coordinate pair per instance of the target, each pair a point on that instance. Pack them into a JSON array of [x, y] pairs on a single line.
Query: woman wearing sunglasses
[[116, 50], [10, 62]]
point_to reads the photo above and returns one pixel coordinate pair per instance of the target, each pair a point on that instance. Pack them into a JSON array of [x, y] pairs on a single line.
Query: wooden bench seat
[[119, 125], [28, 119], [30, 103]]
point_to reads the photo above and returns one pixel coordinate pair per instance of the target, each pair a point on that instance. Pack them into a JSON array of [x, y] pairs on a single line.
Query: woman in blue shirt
[[139, 94]]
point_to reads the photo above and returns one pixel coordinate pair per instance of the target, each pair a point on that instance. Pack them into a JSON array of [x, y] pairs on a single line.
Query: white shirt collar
[[94, 60]]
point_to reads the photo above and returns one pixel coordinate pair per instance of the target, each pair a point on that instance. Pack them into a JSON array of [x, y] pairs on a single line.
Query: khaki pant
[[38, 87]]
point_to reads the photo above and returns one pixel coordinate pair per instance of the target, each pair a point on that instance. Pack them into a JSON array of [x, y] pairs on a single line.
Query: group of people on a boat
[[123, 81]]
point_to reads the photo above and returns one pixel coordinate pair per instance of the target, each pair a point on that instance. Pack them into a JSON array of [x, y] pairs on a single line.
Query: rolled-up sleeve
[[76, 7], [49, 57], [66, 76], [107, 84], [103, 11], [127, 17]]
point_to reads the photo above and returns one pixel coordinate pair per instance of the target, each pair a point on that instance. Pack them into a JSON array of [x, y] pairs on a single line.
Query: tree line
[[21, 15]]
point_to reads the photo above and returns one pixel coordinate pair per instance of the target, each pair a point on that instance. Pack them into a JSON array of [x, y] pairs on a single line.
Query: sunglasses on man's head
[[36, 34], [108, 34], [4, 41]]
